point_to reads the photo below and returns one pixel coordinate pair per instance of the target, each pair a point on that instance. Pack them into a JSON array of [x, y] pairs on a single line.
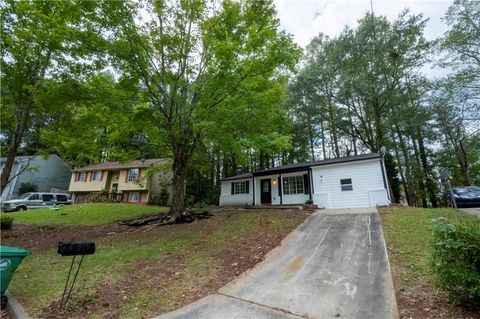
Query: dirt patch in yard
[[223, 247], [40, 238], [424, 302]]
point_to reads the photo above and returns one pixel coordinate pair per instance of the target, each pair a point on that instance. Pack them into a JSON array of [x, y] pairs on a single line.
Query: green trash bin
[[10, 259]]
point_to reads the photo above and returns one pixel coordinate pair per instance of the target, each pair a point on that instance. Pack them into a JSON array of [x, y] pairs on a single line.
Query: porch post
[[310, 175], [253, 190], [280, 188]]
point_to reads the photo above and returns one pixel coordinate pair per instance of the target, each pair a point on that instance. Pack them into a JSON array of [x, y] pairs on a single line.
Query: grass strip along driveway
[[140, 272], [409, 243]]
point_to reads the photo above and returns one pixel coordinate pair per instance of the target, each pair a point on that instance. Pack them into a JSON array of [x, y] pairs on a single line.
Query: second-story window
[[132, 175], [96, 176], [81, 176]]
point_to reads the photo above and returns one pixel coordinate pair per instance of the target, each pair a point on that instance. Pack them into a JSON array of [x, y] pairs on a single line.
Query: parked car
[[35, 201], [467, 196]]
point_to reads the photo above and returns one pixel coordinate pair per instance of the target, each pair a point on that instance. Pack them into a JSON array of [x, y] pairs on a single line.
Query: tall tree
[[193, 57], [41, 41]]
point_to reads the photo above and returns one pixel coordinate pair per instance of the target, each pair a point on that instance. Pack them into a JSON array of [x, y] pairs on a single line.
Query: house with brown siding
[[115, 181]]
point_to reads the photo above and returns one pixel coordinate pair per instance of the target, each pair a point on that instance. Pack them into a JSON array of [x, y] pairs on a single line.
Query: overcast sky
[[304, 19]]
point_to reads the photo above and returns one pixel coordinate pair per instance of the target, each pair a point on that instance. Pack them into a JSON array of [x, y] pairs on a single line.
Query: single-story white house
[[345, 182]]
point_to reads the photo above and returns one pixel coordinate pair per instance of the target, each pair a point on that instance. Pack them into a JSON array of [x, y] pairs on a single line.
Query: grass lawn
[[409, 242], [85, 214], [141, 272]]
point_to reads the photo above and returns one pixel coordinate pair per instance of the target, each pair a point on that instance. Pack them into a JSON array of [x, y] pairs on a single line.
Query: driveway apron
[[334, 265]]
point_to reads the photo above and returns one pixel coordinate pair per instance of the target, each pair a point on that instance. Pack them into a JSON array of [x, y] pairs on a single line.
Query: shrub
[[309, 202], [27, 188], [456, 259], [6, 222], [164, 195]]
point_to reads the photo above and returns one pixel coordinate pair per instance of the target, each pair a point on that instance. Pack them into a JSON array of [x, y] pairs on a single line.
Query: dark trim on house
[[242, 176], [291, 168], [298, 167]]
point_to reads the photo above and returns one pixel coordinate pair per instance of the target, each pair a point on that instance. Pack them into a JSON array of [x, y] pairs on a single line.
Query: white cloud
[[305, 19]]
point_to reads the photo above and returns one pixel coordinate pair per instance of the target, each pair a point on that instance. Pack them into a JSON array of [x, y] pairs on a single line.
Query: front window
[[132, 175], [240, 187], [346, 184], [293, 185], [96, 176], [34, 197], [133, 196]]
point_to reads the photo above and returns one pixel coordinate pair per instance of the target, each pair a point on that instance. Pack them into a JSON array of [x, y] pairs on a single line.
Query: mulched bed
[[424, 302]]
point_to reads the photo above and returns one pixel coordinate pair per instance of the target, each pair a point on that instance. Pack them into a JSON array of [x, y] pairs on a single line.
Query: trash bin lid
[[13, 251]]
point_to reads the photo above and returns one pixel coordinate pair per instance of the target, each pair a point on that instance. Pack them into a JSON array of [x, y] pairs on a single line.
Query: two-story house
[[125, 182]]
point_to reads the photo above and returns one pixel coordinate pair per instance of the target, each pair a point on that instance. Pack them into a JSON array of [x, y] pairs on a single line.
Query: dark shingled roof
[[118, 165], [305, 165]]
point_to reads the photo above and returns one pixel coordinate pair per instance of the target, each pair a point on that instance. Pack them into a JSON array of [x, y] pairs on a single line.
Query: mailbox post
[[73, 249]]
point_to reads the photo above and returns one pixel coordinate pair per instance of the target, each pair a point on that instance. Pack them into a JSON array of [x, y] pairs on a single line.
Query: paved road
[[474, 211], [333, 266]]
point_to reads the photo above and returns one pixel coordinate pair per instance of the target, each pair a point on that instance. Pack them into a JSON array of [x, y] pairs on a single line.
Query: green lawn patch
[[85, 214], [409, 237]]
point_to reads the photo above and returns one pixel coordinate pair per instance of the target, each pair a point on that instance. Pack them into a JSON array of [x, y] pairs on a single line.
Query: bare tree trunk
[[420, 176], [427, 171], [322, 131], [234, 165], [311, 139], [180, 161], [14, 145], [410, 188], [464, 165]]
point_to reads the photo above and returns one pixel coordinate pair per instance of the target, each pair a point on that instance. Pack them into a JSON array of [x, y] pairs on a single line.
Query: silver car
[[35, 201]]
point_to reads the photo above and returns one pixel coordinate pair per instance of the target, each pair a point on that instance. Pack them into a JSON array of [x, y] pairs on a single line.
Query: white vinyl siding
[[366, 181], [242, 199]]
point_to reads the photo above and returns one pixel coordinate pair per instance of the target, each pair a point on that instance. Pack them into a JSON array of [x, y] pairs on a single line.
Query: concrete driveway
[[334, 265]]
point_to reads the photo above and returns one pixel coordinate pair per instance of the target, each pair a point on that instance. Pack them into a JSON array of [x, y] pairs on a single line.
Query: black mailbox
[[76, 248]]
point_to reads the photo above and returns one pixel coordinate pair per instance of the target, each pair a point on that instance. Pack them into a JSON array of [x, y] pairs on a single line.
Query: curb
[[14, 308]]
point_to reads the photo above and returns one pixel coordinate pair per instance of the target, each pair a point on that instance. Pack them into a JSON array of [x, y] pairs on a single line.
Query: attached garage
[[346, 182]]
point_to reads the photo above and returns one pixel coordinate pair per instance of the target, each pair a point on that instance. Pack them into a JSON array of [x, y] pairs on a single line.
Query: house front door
[[266, 191]]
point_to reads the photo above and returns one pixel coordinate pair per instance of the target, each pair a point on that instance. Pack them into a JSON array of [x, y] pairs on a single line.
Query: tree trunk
[[14, 145], [180, 161], [409, 190], [311, 139], [427, 171], [420, 176], [464, 165], [323, 139]]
